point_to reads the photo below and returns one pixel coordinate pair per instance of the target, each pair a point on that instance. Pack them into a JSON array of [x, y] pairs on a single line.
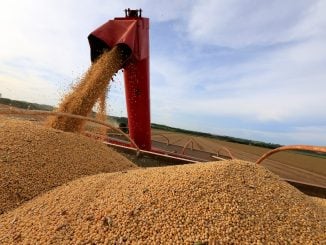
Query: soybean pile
[[35, 159], [91, 88], [222, 202], [320, 201]]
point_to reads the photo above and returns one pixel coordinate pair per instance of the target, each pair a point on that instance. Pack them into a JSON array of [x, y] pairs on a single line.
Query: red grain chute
[[133, 31]]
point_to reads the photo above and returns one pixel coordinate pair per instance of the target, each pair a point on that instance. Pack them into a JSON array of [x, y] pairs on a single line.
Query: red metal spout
[[133, 31]]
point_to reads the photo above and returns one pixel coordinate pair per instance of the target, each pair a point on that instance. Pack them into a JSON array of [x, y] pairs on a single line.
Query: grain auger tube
[[131, 31]]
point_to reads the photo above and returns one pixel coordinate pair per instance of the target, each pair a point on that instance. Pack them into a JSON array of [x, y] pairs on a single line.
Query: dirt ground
[[288, 165]]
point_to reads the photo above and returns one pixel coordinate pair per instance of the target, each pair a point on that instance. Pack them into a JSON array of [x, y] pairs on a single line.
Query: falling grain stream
[[91, 88]]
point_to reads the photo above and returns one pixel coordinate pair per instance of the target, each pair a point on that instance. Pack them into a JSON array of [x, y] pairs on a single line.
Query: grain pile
[[34, 159], [226, 202], [320, 201], [91, 87]]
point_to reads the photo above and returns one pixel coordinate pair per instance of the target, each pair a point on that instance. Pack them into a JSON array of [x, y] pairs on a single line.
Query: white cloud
[[26, 86], [284, 85], [52, 35], [47, 32], [241, 23], [276, 86]]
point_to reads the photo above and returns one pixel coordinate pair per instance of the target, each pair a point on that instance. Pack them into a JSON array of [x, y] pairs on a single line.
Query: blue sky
[[246, 68]]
